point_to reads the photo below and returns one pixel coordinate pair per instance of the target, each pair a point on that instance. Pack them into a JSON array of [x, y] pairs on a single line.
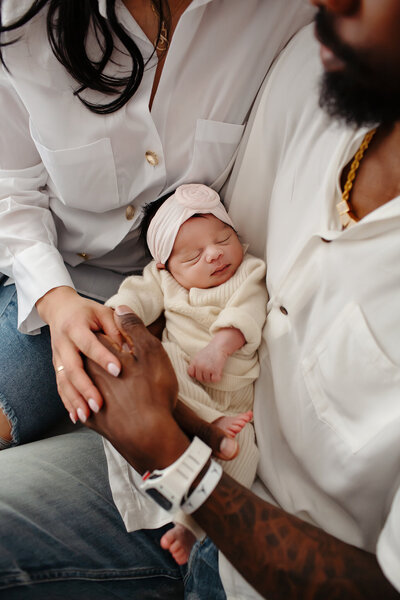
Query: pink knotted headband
[[188, 200]]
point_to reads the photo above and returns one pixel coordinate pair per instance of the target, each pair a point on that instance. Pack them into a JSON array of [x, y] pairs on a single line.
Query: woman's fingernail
[[113, 369], [81, 415], [122, 310], [93, 405], [72, 417], [125, 347], [228, 447]]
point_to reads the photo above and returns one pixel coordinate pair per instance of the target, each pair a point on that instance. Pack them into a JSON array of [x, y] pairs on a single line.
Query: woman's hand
[[73, 321]]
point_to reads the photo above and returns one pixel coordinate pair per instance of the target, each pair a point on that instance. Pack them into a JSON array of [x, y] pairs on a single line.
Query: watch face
[[159, 498]]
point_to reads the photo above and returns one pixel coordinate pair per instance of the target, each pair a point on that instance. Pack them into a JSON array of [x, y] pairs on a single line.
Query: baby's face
[[206, 253]]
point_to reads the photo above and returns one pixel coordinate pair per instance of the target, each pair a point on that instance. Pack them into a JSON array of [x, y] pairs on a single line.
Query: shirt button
[[152, 158], [130, 212], [83, 255], [283, 310]]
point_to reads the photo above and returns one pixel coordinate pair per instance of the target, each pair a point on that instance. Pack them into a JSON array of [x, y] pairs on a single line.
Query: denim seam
[[7, 410], [11, 299], [25, 578], [10, 415], [192, 558]]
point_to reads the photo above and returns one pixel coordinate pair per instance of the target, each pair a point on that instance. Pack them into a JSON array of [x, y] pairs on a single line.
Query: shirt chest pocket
[[83, 177], [353, 385], [215, 145]]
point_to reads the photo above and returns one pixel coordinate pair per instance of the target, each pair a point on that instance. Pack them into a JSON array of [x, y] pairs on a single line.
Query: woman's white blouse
[[73, 183]]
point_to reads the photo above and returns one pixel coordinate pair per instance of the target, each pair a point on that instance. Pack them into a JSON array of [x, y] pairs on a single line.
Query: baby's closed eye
[[224, 236], [192, 258]]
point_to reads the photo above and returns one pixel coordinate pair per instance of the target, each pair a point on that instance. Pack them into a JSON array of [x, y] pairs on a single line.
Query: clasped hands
[[141, 415]]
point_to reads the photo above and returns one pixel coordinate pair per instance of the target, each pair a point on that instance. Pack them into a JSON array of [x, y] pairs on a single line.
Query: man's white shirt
[[327, 410]]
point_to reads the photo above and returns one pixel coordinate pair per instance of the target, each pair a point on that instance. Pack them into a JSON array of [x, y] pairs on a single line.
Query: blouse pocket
[[215, 145], [83, 177], [353, 385]]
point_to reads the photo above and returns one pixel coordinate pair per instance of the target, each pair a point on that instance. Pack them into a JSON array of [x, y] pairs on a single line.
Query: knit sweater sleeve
[[246, 308], [142, 293]]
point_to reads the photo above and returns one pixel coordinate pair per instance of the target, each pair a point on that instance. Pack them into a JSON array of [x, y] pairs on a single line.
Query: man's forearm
[[283, 557]]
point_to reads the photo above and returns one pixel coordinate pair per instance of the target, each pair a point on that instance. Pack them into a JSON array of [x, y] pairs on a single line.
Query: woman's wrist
[[52, 298]]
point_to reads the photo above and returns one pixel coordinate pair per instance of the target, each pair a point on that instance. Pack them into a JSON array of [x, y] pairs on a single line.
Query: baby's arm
[[142, 293], [208, 364]]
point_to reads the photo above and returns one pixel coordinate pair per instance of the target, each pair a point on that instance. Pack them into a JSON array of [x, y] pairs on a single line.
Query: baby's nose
[[213, 253]]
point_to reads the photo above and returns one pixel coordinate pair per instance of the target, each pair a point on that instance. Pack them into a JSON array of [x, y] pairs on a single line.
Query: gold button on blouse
[[151, 158], [83, 255], [130, 212]]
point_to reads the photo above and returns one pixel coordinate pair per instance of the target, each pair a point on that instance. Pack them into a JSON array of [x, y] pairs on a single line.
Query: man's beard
[[363, 93]]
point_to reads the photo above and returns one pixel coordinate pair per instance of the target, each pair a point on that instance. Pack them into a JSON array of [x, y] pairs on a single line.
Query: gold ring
[[60, 368]]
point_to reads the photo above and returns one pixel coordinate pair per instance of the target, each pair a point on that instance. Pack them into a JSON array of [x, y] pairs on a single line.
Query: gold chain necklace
[[343, 207], [162, 42]]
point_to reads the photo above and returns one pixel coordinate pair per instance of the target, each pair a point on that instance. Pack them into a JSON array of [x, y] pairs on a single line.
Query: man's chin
[[346, 100]]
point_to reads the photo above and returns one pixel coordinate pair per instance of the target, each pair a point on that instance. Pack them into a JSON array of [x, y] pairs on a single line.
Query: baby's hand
[[208, 364]]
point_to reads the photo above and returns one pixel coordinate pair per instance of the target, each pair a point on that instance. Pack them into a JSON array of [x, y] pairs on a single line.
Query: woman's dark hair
[[149, 210], [68, 23]]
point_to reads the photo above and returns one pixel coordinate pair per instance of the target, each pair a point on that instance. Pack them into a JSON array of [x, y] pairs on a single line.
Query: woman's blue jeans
[[61, 536], [28, 389]]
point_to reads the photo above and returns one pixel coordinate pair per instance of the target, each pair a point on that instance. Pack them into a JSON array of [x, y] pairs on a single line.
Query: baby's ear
[[160, 266]]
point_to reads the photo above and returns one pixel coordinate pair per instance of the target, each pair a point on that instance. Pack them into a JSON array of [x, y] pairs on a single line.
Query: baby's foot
[[179, 541], [233, 425]]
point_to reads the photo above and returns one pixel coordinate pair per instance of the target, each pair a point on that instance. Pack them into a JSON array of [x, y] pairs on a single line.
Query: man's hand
[[137, 413], [140, 411]]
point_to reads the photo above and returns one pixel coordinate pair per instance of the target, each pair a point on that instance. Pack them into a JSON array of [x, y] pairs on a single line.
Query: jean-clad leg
[[202, 581], [28, 389], [61, 535], [60, 531]]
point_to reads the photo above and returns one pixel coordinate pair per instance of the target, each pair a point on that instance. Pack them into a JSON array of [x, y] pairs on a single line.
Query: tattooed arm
[[283, 557]]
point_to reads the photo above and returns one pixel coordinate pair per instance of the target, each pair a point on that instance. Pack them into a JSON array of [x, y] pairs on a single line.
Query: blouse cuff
[[37, 270]]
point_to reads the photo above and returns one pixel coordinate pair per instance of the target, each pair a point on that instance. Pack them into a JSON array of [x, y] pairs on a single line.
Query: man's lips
[[329, 60]]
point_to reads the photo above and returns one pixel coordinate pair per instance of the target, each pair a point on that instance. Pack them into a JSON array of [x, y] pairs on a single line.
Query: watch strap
[[204, 489], [169, 486]]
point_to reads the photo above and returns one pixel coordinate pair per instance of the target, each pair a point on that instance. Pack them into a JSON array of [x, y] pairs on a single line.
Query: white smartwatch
[[169, 487]]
